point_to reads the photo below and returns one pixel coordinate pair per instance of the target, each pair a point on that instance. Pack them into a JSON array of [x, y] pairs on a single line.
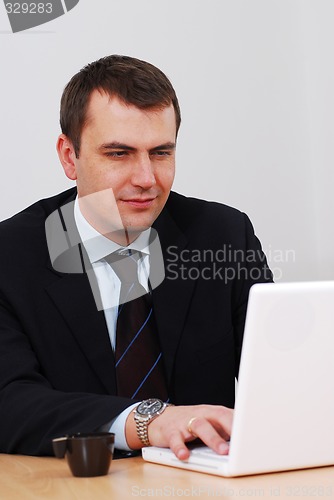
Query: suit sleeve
[[252, 268]]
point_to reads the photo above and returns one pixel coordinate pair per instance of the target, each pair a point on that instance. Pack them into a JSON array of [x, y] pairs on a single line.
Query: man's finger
[[204, 430], [178, 447]]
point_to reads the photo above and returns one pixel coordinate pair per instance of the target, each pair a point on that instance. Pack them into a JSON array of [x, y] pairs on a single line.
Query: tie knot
[[125, 265]]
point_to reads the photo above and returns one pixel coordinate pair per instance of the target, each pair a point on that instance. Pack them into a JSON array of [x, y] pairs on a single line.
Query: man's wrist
[[144, 414]]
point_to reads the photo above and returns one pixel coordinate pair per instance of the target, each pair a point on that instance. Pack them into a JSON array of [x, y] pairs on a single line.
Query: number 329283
[[29, 8]]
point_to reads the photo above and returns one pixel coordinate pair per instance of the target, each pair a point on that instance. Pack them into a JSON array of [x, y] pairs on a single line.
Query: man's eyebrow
[[125, 147], [166, 146], [116, 145]]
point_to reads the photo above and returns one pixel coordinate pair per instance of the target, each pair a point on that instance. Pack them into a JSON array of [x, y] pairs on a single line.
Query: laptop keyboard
[[206, 452]]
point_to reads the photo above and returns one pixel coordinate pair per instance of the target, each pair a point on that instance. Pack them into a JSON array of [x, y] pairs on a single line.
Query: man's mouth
[[139, 202]]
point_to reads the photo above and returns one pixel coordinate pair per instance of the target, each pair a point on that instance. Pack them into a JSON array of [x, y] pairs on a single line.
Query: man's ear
[[67, 156]]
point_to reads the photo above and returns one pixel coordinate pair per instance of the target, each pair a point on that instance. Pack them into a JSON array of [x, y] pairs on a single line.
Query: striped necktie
[[139, 364]]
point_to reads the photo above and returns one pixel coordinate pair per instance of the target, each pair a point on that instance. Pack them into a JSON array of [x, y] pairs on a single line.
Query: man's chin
[[126, 235], [137, 225], [134, 231]]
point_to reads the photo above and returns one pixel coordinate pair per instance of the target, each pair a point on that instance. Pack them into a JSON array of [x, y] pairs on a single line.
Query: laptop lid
[[284, 409]]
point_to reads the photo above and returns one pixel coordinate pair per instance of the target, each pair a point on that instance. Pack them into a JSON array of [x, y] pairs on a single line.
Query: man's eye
[[116, 154], [161, 153]]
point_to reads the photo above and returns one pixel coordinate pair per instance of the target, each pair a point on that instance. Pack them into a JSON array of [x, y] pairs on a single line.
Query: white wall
[[255, 84]]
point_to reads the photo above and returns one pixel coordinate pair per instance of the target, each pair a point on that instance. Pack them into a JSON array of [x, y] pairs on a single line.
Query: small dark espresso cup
[[88, 454]]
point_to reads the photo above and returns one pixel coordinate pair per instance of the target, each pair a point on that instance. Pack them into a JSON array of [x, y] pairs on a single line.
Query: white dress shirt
[[98, 247]]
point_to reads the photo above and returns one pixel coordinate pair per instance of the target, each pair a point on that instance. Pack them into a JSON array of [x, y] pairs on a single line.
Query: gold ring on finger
[[191, 421]]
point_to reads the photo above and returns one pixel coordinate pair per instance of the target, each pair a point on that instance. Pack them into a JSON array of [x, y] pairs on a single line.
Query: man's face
[[126, 162]]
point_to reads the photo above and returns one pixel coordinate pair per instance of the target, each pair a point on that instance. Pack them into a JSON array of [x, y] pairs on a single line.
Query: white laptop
[[284, 411]]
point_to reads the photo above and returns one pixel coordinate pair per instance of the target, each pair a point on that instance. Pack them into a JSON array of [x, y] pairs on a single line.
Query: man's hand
[[171, 429]]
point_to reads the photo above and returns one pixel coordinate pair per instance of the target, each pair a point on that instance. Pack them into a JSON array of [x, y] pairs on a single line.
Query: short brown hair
[[131, 80]]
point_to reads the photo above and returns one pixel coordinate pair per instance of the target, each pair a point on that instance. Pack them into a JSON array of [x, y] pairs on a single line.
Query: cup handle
[[59, 446]]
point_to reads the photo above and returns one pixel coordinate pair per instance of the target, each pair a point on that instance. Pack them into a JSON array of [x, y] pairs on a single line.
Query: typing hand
[[178, 425]]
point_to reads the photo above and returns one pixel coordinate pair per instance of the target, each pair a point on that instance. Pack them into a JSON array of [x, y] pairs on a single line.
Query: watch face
[[149, 406]]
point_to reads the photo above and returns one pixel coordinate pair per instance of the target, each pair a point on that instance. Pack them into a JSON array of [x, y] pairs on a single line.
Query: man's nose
[[143, 173]]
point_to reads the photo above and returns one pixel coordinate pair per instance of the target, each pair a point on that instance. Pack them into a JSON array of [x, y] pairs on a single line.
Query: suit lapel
[[76, 296], [74, 300], [172, 298]]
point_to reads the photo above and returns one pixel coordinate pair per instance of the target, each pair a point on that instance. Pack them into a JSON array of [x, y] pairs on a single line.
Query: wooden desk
[[25, 478]]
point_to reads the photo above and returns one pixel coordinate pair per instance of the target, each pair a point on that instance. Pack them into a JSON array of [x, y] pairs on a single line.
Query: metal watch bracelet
[[142, 424], [142, 431]]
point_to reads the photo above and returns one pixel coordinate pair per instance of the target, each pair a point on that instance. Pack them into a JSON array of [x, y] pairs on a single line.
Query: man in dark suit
[[58, 349]]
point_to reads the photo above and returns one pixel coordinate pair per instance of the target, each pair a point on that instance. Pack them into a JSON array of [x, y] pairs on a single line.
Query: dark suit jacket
[[57, 371]]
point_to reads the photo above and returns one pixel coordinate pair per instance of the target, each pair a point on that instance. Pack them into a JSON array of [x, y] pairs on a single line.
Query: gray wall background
[[255, 83]]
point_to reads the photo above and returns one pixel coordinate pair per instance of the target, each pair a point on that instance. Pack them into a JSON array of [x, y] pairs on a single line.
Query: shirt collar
[[98, 246]]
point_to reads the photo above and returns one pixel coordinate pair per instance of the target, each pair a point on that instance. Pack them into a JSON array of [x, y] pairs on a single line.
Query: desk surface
[[26, 478]]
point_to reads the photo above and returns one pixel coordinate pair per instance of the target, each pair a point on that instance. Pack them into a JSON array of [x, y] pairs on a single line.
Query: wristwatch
[[144, 413]]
